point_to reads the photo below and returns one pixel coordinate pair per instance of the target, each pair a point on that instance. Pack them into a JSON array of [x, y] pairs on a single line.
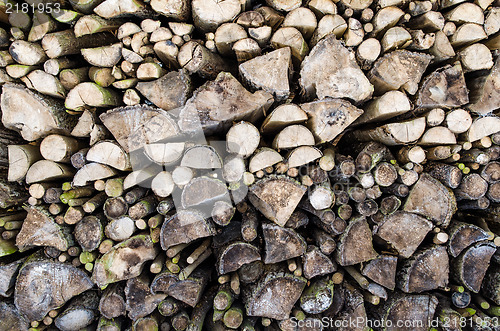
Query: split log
[[139, 300], [445, 87], [224, 91], [482, 94], [403, 231], [329, 118], [112, 302], [269, 299], [55, 283], [315, 263], [293, 136], [411, 67], [355, 243], [470, 266], [340, 64], [394, 133], [395, 309], [91, 95], [431, 199], [269, 72], [426, 270], [382, 270], [281, 243], [53, 118], [184, 227], [276, 198]]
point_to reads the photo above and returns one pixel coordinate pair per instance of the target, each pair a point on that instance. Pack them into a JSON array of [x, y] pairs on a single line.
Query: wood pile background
[[252, 165]]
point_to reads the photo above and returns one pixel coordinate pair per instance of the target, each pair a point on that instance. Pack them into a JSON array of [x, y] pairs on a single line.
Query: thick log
[[184, 227], [43, 285]]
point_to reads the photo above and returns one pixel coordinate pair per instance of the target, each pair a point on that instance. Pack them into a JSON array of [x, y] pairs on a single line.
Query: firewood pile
[[252, 165]]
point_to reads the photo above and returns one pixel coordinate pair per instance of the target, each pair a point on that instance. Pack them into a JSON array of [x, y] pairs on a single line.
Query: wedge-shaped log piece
[[40, 229], [184, 227], [276, 198], [403, 231], [491, 284], [463, 235], [135, 126], [318, 297], [484, 93], [293, 136], [282, 243], [315, 263], [43, 285], [140, 301], [405, 308], [382, 270], [92, 172], [165, 154], [392, 134], [269, 72], [330, 117], [431, 199], [351, 309], [217, 104], [45, 170], [109, 153], [263, 158], [18, 106], [282, 116], [190, 290], [275, 295], [469, 268], [303, 155], [46, 84], [168, 92], [330, 70], [355, 243], [438, 135], [390, 104], [10, 319], [235, 255], [8, 274], [105, 56], [399, 69], [482, 127], [124, 261], [426, 270], [445, 87], [90, 24], [201, 157], [204, 191]]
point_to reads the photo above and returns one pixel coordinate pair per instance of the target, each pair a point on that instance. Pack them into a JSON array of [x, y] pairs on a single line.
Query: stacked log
[[272, 165]]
